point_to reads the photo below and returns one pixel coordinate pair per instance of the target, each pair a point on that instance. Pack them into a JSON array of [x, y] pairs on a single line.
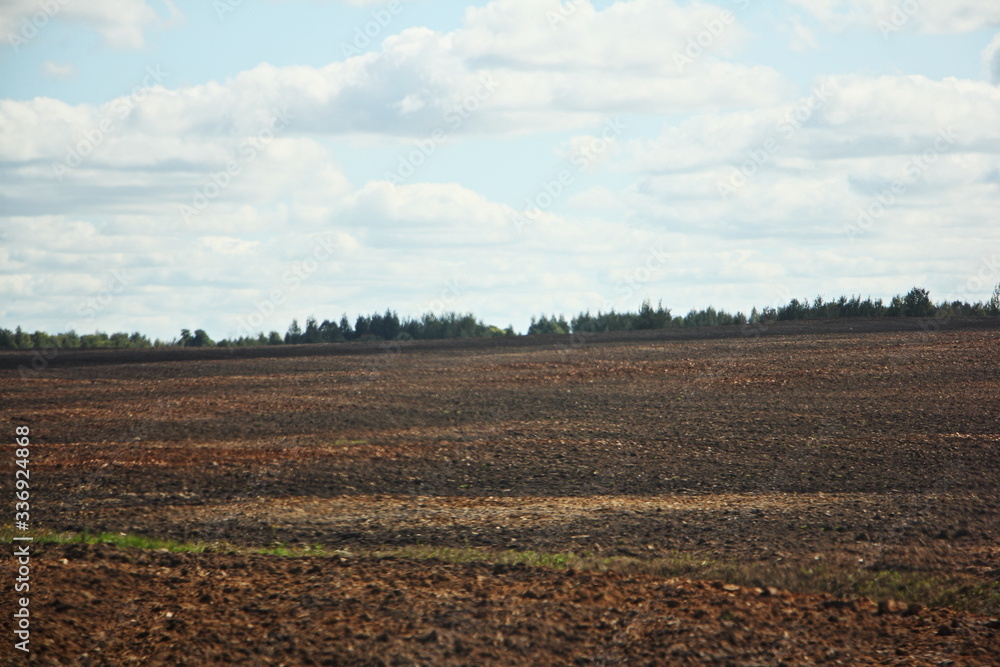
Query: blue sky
[[233, 165]]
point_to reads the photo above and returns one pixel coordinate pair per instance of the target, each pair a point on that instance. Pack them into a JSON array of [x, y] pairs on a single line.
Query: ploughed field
[[411, 483]]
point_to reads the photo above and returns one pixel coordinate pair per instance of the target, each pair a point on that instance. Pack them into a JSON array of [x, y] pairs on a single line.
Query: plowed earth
[[104, 606], [880, 450]]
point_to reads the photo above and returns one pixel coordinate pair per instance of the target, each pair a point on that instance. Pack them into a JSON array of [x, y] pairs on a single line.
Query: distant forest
[[388, 325]]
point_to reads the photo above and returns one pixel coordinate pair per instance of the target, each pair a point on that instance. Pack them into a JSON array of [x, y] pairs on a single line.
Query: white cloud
[[410, 104], [505, 71], [637, 34], [509, 69], [121, 23], [888, 16], [902, 112], [844, 117], [991, 59], [805, 190], [59, 70], [228, 245], [801, 36], [355, 3], [624, 56]]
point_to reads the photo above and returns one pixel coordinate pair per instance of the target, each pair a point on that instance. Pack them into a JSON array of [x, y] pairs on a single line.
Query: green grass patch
[[123, 540], [961, 592], [955, 591], [134, 541], [343, 442]]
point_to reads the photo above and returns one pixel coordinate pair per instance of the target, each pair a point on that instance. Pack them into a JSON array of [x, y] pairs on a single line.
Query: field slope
[[804, 495]]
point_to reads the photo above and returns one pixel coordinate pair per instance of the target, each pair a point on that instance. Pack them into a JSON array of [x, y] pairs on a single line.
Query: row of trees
[[388, 325], [378, 326], [646, 318], [916, 303], [19, 339]]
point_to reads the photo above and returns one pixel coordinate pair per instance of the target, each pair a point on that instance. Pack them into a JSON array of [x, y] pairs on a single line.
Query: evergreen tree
[[917, 303], [294, 333], [22, 341], [312, 334], [198, 339], [346, 332], [201, 339], [330, 332], [362, 327], [545, 325]]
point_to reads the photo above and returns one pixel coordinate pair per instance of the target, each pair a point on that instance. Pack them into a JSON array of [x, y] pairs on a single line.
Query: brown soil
[[104, 606], [874, 450]]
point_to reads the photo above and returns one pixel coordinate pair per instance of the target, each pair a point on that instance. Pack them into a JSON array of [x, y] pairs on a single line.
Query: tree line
[[389, 326], [916, 303], [646, 317], [376, 327], [19, 339]]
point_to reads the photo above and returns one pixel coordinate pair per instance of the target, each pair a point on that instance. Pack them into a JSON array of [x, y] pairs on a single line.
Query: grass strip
[[956, 591]]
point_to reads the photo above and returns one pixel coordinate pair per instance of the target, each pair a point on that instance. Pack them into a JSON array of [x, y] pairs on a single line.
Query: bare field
[[826, 461]]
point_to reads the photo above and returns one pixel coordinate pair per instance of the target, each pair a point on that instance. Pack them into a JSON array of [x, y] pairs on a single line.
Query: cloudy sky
[[234, 164]]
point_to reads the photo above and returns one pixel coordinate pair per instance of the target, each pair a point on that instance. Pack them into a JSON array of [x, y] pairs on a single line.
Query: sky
[[234, 164]]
